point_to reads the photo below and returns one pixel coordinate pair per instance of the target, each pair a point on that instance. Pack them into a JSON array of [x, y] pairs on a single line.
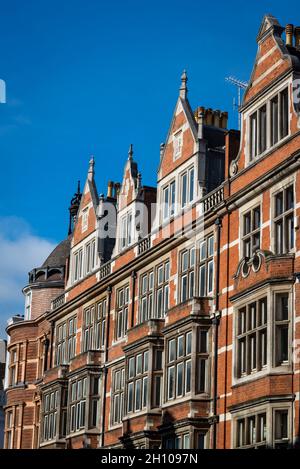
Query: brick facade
[[185, 333]]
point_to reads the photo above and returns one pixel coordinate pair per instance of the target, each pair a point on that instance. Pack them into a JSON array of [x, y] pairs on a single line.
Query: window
[[78, 261], [154, 292], [252, 337], [270, 122], [65, 341], [179, 366], [262, 128], [284, 113], [50, 405], [202, 361], [253, 136], [28, 305], [13, 369], [85, 214], [178, 441], [90, 256], [77, 408], [94, 327], [147, 295], [177, 144], [187, 187], [187, 274], [252, 431], [9, 429], [284, 220], [169, 198], [206, 267], [118, 396], [157, 378], [251, 232], [122, 312], [137, 382], [162, 290], [95, 400], [126, 230], [281, 328], [263, 428], [281, 428]]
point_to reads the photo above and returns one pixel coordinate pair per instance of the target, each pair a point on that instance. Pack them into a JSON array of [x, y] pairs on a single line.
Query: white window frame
[[177, 144]]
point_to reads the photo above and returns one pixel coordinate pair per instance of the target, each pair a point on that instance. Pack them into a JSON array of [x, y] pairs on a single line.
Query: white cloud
[[20, 251]]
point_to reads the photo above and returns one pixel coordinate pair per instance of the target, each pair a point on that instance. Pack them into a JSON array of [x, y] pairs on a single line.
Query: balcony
[[144, 244], [213, 199], [57, 302], [104, 270]]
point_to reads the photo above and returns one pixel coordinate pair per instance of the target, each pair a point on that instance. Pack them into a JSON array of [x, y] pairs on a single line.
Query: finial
[[183, 88], [130, 152], [78, 187], [91, 168]]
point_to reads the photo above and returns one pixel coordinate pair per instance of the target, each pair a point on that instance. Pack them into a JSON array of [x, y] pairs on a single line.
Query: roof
[[59, 255]]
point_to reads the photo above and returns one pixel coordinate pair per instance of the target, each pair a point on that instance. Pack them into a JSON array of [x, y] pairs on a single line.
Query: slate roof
[[59, 255]]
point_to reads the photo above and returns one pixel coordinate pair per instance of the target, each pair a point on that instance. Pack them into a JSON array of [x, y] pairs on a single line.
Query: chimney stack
[[289, 29], [110, 186], [297, 36]]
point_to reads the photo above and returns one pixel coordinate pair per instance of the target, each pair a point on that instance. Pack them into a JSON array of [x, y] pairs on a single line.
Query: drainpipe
[[216, 322], [104, 370]]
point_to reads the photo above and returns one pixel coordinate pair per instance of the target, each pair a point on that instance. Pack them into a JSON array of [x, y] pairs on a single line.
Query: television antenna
[[241, 85]]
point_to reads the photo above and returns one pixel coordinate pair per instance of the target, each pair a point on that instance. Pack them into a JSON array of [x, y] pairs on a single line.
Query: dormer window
[[269, 124], [177, 144], [126, 230]]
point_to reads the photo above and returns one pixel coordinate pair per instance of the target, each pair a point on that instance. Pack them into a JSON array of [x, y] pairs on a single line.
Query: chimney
[[117, 189], [110, 186], [297, 36], [224, 120], [217, 118], [289, 34], [209, 116]]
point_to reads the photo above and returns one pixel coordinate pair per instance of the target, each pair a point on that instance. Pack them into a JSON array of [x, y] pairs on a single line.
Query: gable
[[272, 58], [182, 134]]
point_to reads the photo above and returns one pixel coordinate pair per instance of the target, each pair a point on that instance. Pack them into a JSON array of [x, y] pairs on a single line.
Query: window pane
[[191, 185], [183, 190], [179, 384], [180, 346], [188, 375], [171, 382]]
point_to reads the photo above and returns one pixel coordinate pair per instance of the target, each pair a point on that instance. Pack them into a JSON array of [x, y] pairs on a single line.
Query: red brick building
[[170, 316]]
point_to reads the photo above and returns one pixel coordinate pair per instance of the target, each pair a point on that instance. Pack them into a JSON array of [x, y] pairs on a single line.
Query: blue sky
[[90, 77]]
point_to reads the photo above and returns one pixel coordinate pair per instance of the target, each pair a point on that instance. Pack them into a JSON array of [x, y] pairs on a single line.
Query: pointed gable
[[272, 58], [182, 136], [86, 217], [130, 184]]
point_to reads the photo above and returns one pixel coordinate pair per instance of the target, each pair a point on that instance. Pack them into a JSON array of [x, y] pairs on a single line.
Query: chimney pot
[[110, 188], [297, 36], [289, 29]]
